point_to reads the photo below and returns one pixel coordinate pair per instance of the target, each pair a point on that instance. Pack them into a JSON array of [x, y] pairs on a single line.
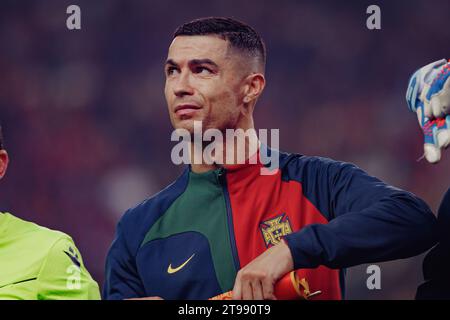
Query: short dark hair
[[240, 35], [1, 138]]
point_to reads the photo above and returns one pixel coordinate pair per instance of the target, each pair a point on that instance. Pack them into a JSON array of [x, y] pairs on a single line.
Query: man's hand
[[257, 279], [428, 96]]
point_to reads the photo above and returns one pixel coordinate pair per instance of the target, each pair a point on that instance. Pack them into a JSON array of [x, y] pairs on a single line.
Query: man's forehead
[[198, 47]]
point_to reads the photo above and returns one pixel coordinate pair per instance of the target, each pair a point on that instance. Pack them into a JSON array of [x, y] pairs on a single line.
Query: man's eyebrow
[[171, 62], [203, 61]]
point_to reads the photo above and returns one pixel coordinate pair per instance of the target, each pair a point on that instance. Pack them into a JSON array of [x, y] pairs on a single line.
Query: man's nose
[[183, 86]]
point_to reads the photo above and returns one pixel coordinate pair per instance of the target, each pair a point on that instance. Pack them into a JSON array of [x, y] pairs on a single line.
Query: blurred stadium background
[[86, 126]]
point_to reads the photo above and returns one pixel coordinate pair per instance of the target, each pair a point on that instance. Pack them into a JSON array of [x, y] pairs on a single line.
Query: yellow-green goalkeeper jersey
[[39, 263]]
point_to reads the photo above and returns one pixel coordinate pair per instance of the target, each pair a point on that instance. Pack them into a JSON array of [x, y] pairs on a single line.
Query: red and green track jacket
[[189, 240]]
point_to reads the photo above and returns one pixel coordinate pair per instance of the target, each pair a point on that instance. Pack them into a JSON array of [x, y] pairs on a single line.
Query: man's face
[[203, 83]]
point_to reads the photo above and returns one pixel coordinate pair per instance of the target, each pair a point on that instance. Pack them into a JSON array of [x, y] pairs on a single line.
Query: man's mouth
[[184, 109]]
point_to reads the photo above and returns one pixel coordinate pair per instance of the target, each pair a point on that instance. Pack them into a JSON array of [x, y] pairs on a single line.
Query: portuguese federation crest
[[275, 229]]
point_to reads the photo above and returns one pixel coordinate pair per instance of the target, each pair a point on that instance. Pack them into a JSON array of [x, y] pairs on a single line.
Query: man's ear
[[254, 86], [4, 159]]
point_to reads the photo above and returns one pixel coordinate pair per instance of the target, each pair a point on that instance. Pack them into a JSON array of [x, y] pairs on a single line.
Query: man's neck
[[233, 152]]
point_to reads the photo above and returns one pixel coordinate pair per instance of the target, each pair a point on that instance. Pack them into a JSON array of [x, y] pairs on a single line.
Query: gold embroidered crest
[[275, 229]]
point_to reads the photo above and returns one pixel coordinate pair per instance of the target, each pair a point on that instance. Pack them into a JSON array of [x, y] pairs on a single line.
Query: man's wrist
[[287, 254]]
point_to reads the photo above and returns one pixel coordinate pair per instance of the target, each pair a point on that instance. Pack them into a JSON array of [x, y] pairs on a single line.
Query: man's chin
[[187, 125]]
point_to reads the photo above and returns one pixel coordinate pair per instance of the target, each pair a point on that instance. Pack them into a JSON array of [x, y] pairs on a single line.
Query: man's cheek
[[228, 102]]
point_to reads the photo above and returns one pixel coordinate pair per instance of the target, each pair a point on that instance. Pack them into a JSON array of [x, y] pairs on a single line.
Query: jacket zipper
[[223, 181]]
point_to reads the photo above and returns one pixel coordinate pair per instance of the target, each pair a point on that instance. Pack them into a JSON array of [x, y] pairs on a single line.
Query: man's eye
[[171, 71], [203, 70]]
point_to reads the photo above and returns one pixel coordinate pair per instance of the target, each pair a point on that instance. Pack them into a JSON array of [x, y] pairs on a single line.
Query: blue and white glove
[[428, 95]]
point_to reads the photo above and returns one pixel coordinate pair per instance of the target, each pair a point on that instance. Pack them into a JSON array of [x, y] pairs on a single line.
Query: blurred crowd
[[86, 126]]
